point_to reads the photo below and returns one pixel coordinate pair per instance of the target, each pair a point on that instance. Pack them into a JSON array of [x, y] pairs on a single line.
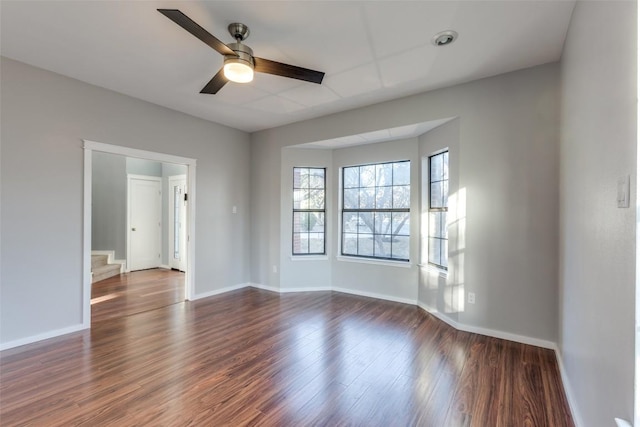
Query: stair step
[[105, 271], [98, 260]]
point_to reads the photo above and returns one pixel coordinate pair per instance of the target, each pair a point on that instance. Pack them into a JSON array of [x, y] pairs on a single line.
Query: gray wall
[[109, 204], [508, 131], [597, 239], [44, 118]]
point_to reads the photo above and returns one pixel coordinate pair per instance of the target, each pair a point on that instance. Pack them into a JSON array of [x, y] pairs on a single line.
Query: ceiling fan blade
[[285, 70], [216, 83], [188, 24]]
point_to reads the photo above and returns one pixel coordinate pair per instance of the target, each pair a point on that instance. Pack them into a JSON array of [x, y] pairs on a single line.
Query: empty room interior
[[288, 213]]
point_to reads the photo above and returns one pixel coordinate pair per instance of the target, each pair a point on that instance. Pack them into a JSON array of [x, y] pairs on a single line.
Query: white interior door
[[145, 222], [178, 222]]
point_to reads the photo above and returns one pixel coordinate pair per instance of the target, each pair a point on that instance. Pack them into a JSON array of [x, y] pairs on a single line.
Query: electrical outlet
[[471, 298], [275, 268]]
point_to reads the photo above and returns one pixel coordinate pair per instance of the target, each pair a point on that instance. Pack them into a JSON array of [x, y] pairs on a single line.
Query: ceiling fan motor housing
[[244, 53]]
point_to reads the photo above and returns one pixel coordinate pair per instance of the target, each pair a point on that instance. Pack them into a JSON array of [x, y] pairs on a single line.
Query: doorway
[[189, 213]]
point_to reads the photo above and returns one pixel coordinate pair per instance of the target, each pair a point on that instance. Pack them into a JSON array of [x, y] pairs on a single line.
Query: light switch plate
[[623, 191]]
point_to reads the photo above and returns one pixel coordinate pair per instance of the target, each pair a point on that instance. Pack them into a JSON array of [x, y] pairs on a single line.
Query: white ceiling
[[371, 51]]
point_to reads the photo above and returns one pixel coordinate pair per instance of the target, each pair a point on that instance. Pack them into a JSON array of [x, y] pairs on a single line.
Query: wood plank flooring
[[252, 357], [135, 292]]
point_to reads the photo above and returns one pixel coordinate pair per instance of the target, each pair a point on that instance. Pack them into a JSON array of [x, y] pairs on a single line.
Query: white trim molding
[[568, 391], [44, 336], [219, 291], [523, 339], [89, 148], [376, 295]]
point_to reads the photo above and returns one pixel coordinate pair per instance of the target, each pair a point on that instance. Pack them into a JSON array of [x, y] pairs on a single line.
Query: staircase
[[101, 269]]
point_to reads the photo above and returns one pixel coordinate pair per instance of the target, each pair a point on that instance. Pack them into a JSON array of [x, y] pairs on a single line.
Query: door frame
[[171, 221], [131, 177], [89, 148]]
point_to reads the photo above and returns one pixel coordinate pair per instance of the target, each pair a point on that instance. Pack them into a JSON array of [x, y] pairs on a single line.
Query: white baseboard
[[264, 287], [164, 267], [219, 291], [312, 289], [568, 391], [43, 336], [523, 339], [290, 290], [375, 295]]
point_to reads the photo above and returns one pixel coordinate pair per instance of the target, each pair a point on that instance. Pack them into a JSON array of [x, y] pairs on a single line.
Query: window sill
[[309, 257], [434, 270], [386, 262]]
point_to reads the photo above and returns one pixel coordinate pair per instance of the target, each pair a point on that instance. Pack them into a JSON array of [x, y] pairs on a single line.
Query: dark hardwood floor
[[135, 292], [252, 357]]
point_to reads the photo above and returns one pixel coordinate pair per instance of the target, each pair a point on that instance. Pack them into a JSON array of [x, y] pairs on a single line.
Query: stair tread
[[106, 267]]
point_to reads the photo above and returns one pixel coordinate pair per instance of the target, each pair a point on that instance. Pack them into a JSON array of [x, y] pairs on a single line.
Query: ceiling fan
[[239, 62]]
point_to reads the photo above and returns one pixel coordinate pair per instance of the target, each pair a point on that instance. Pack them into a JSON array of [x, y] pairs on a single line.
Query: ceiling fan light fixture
[[238, 70]]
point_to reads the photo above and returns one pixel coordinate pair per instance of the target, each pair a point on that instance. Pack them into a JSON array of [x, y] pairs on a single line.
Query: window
[[438, 207], [375, 210], [308, 211]]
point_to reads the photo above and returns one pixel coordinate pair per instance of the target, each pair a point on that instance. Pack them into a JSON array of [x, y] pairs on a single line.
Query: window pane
[[444, 229], [365, 244], [365, 222], [445, 165], [297, 172], [298, 196], [349, 222], [400, 247], [367, 176], [384, 173], [300, 221], [383, 198], [367, 198], [435, 167], [351, 177], [300, 243], [445, 194], [382, 222], [444, 256], [434, 224], [401, 173], [316, 222], [435, 195], [315, 199], [400, 224], [401, 197], [434, 250], [382, 247], [316, 178], [350, 244], [316, 243], [351, 198]]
